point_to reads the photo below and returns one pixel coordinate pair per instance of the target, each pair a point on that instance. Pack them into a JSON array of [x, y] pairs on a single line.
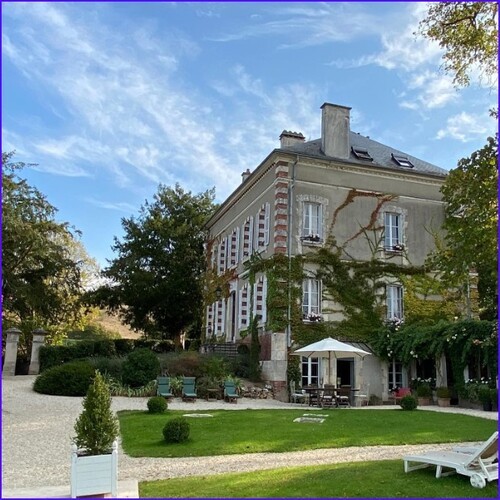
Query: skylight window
[[402, 161], [362, 154]]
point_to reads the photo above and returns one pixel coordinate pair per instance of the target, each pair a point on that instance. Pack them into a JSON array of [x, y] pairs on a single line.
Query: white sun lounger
[[480, 464]]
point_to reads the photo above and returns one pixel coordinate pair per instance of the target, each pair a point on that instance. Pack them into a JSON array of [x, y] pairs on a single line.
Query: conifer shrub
[[70, 379], [157, 404], [176, 430], [97, 427]]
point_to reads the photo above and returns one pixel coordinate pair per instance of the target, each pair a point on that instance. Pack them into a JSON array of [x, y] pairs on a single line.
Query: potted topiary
[[485, 397], [94, 462], [424, 394], [443, 396]]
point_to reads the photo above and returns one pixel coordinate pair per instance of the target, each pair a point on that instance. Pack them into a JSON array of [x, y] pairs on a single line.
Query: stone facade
[[300, 194]]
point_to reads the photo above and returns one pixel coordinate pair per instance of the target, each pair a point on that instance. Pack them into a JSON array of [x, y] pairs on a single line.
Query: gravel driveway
[[37, 431]]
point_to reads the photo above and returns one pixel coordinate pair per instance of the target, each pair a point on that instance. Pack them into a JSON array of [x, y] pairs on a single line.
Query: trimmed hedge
[[70, 379], [51, 355], [157, 404]]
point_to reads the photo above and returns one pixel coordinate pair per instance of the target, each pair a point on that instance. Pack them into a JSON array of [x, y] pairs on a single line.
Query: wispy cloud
[[128, 113], [107, 205], [465, 127], [307, 25]]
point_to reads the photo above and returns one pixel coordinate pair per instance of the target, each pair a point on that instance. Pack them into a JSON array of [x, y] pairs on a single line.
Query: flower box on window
[[313, 317], [314, 238], [395, 248]]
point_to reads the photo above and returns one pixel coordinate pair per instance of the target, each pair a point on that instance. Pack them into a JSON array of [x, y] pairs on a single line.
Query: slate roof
[[380, 153]]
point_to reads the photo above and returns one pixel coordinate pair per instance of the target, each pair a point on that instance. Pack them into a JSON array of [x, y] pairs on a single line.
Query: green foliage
[[215, 367], [43, 263], [424, 391], [203, 384], [254, 365], [157, 404], [443, 392], [468, 32], [117, 388], [408, 403], [70, 379], [470, 194], [157, 274], [484, 394], [293, 372], [96, 428], [92, 332], [111, 367], [183, 363], [462, 341], [176, 430], [141, 367], [274, 431], [372, 479]]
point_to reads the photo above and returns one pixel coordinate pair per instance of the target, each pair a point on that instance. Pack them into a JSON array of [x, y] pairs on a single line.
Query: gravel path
[[37, 431]]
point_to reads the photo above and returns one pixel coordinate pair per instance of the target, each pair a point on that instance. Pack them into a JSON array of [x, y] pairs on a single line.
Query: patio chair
[[163, 387], [328, 399], [296, 396], [343, 397], [188, 389], [399, 394], [230, 394], [481, 465]]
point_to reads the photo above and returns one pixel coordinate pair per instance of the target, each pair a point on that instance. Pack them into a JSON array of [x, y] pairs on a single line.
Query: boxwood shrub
[[157, 404], [140, 367], [408, 403], [70, 379], [176, 430]]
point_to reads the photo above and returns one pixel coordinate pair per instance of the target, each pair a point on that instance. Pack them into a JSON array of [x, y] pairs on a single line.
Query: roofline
[[257, 173]]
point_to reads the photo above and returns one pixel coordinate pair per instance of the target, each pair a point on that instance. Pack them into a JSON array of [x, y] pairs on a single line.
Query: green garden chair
[[188, 389], [163, 387], [230, 394]]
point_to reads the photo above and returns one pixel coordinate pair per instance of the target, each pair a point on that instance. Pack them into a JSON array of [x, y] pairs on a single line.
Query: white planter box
[[94, 474]]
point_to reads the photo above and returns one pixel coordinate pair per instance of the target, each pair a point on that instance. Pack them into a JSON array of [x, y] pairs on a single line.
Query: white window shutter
[[266, 224]]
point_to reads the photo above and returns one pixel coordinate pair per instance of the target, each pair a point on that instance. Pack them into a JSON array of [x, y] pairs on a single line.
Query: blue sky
[[110, 99]]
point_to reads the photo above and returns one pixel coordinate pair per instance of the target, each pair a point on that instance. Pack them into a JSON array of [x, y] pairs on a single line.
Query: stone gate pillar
[[9, 365], [38, 341]]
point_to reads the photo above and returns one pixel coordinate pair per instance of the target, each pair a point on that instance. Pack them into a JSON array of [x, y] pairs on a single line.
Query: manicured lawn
[[381, 479], [253, 431]]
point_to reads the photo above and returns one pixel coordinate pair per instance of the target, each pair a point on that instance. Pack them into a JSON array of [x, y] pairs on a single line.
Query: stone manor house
[[299, 196]]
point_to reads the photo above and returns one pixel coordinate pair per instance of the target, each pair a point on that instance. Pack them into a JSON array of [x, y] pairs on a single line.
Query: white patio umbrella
[[331, 349]]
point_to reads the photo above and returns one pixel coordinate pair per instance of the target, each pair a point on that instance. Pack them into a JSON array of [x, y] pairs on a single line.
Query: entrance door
[[345, 372]]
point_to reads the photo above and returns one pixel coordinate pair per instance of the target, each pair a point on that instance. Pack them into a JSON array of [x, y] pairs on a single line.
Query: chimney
[[335, 130], [245, 175], [288, 138]]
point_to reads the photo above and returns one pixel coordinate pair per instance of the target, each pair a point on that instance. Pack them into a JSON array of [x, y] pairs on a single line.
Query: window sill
[[312, 242]]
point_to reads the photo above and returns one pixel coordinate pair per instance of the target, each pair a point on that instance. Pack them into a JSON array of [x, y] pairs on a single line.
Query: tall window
[[310, 371], [311, 300], [392, 231], [394, 301], [259, 297], [244, 307], [312, 227], [262, 227], [234, 247], [247, 238], [222, 255], [395, 374]]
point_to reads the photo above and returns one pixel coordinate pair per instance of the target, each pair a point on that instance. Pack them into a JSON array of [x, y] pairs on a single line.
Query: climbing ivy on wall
[[358, 287]]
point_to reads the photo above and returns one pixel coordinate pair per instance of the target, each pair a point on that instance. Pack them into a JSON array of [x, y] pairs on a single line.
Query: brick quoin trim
[[281, 169]]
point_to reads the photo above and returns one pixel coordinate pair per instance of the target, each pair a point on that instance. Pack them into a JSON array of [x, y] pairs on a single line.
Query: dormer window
[[362, 154], [402, 161]]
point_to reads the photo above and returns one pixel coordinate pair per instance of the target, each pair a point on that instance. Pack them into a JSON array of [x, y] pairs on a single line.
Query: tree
[[41, 279], [468, 32], [470, 194], [155, 282]]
